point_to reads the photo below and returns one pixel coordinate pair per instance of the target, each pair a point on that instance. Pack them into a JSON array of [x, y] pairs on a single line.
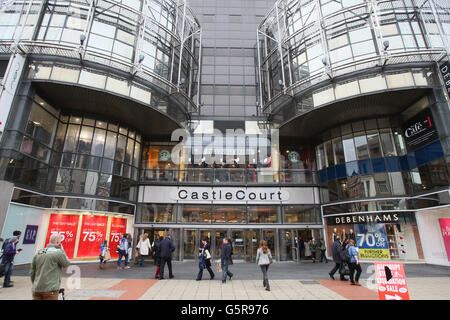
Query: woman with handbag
[[104, 254], [144, 247], [204, 260], [264, 259]]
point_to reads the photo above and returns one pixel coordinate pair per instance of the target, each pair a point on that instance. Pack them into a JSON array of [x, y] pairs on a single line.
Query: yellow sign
[[374, 254]]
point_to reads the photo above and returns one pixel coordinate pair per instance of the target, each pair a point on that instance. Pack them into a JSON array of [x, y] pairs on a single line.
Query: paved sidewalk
[[288, 281]]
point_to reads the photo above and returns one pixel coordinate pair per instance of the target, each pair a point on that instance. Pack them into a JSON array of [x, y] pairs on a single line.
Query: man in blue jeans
[[225, 257], [9, 253], [123, 251]]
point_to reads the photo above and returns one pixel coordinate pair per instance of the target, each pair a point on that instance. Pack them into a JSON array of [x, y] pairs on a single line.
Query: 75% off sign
[[391, 281]]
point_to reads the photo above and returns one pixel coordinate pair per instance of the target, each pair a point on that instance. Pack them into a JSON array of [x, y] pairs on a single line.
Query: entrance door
[[302, 235], [238, 240], [219, 235], [190, 244], [269, 237], [286, 245]]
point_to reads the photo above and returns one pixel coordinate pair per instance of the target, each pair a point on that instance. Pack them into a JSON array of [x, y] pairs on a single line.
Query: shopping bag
[[107, 256], [219, 266]]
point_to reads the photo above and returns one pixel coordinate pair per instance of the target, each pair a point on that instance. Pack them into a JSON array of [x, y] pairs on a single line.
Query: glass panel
[[286, 245], [373, 142], [71, 138], [120, 150], [387, 143], [338, 151], [98, 142], [110, 146], [85, 143], [361, 147], [238, 243], [190, 245], [41, 125], [197, 214], [260, 214], [349, 148]]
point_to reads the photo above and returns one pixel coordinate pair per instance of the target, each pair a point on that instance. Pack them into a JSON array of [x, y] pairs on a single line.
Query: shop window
[[41, 125], [196, 214], [300, 214], [262, 214], [338, 151]]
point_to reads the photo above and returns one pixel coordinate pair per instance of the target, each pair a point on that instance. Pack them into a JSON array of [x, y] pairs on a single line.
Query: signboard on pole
[[67, 226], [391, 281]]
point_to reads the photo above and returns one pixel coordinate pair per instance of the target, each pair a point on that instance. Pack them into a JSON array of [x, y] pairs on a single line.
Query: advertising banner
[[420, 130], [445, 229], [118, 228], [93, 233], [66, 225], [391, 281], [30, 234], [372, 241]]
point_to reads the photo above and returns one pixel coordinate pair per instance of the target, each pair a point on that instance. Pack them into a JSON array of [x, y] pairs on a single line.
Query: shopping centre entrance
[[283, 242]]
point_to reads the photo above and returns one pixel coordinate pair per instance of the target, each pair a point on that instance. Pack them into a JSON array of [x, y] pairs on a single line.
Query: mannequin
[[334, 234], [344, 235], [351, 235]]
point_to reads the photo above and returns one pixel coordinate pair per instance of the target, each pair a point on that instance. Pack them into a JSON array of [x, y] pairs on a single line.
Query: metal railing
[[229, 175]]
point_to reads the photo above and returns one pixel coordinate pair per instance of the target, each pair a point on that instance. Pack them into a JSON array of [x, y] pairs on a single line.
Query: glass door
[[286, 251], [237, 238], [219, 235], [190, 245], [207, 235], [256, 237], [269, 237]]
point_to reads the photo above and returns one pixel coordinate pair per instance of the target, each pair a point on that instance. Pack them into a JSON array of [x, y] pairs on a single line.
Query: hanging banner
[[445, 72], [118, 228], [372, 241], [445, 229], [66, 225], [391, 281], [93, 233]]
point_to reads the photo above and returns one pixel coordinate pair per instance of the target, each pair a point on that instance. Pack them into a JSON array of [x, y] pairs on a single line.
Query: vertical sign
[[372, 241], [445, 72], [118, 228], [395, 288], [445, 229], [66, 225], [30, 234], [93, 233]]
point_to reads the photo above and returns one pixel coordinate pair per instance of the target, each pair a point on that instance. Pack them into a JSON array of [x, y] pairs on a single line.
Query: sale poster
[[66, 225], [372, 241], [118, 229], [445, 230], [93, 233], [391, 281]]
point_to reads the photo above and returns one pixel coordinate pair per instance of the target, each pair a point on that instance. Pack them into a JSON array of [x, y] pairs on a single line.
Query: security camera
[[386, 44], [324, 61], [82, 38], [141, 58]]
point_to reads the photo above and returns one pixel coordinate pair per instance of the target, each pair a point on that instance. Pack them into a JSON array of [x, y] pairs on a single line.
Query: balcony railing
[[229, 176]]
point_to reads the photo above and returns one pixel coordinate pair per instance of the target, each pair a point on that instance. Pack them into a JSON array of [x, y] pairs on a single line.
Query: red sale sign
[[66, 225], [395, 288], [118, 228], [93, 233]]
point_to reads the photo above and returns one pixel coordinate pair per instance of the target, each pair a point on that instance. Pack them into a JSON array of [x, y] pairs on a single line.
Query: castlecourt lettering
[[241, 194]]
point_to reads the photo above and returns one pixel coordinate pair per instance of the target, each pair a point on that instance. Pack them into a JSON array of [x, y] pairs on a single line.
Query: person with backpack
[[264, 259], [122, 250], [7, 262], [354, 263]]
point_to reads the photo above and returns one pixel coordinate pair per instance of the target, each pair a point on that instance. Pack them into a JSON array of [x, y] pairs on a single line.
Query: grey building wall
[[228, 59]]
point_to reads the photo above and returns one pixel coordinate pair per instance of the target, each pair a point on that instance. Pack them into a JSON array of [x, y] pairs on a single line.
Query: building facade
[[254, 120]]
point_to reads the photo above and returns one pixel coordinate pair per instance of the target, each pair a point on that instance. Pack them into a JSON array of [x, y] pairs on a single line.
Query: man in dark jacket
[[336, 249], [225, 257], [9, 253], [166, 247]]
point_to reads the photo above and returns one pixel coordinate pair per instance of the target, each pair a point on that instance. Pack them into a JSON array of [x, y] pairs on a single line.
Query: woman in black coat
[[157, 256], [204, 260]]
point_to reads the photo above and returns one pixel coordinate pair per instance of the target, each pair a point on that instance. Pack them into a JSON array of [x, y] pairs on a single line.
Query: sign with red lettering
[[93, 233], [391, 281], [65, 225], [118, 228]]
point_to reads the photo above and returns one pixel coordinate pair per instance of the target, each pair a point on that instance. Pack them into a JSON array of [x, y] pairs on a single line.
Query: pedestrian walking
[[104, 254], [9, 253], [264, 259], [225, 260], [205, 260], [156, 249], [166, 249], [122, 250], [323, 250], [46, 270], [155, 244], [313, 247], [137, 258], [336, 250], [301, 248], [354, 263], [307, 250], [144, 248]]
